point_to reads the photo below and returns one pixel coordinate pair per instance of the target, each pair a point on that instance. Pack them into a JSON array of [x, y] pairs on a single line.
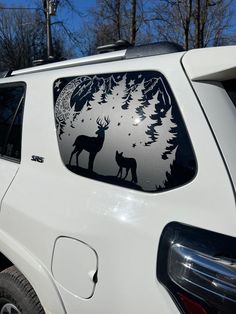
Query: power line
[[19, 8], [73, 9], [70, 35]]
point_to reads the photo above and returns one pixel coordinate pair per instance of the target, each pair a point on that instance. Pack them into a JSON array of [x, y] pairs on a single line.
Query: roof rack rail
[[47, 61], [122, 54], [5, 73], [159, 48], [118, 45]]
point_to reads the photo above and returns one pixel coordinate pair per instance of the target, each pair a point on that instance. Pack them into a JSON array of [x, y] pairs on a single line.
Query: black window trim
[[21, 103], [227, 85]]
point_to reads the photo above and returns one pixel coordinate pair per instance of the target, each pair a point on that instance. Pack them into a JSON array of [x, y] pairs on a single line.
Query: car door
[[11, 114]]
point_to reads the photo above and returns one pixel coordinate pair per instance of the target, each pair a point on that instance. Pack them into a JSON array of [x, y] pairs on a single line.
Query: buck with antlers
[[91, 144]]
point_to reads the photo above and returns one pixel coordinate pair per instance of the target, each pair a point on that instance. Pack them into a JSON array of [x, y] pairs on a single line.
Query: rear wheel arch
[[4, 262], [14, 254], [17, 294], [11, 281]]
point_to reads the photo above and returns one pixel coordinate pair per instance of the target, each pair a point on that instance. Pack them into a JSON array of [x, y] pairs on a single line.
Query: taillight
[[198, 268]]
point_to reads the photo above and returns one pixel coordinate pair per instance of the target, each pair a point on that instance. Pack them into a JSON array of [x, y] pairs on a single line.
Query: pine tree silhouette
[[141, 109], [127, 99], [103, 98], [172, 141], [159, 114]]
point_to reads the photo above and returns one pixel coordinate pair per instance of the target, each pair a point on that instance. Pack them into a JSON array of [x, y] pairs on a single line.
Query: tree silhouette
[[127, 99]]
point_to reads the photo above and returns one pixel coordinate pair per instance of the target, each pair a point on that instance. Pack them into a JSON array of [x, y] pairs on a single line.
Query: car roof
[[159, 48]]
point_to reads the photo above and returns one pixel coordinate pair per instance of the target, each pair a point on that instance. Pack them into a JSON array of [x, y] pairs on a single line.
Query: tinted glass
[[13, 147], [230, 87], [124, 129], [11, 120]]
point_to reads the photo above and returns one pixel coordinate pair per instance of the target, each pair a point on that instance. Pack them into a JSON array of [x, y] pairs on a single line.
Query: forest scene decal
[[124, 129]]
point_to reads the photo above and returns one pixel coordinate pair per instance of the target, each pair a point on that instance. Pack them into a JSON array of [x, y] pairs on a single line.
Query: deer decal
[[91, 144]]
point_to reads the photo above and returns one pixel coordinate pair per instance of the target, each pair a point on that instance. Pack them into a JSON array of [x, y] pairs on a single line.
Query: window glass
[[123, 128], [11, 106], [13, 146], [230, 87]]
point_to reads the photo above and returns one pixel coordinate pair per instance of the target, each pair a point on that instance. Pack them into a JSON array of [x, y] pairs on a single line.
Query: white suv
[[117, 184]]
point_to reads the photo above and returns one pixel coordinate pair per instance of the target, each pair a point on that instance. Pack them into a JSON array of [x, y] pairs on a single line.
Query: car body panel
[[122, 225], [216, 63]]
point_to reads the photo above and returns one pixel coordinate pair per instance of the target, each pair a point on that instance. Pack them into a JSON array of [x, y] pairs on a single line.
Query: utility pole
[[50, 8], [198, 24], [49, 32], [133, 22]]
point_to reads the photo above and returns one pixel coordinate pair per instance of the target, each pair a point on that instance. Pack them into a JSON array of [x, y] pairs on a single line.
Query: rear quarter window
[[124, 129]]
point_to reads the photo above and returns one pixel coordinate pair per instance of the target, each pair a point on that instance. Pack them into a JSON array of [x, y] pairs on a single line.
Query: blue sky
[[80, 5], [64, 13], [83, 4], [72, 19]]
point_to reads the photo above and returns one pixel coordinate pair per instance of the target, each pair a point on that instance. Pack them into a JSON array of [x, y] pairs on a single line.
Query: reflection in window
[[13, 147]]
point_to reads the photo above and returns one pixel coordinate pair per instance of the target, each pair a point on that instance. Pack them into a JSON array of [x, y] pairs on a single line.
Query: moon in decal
[[62, 106]]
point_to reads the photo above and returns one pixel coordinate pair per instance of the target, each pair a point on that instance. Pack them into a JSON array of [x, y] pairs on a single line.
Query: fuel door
[[75, 266]]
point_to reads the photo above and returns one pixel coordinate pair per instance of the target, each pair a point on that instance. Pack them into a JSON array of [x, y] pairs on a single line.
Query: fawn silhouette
[[128, 164], [90, 144]]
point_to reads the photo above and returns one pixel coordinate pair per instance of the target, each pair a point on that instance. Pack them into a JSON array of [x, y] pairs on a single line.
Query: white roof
[[103, 57], [218, 63]]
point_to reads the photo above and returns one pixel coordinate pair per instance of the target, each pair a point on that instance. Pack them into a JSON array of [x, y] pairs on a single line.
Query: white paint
[[216, 63], [100, 58], [74, 265], [8, 170], [46, 201]]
